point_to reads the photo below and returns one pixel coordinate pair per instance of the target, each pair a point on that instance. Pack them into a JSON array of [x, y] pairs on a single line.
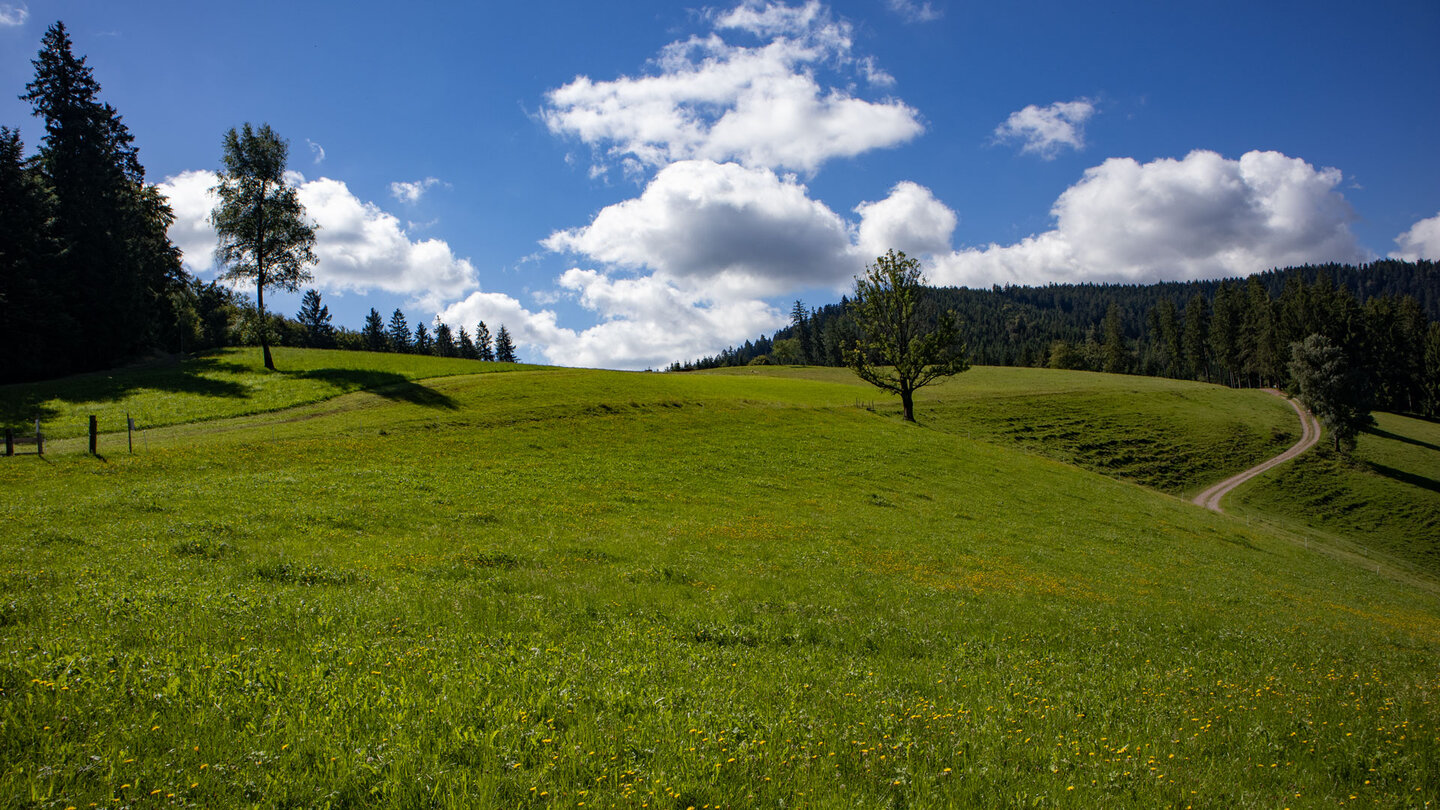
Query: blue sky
[[623, 185]]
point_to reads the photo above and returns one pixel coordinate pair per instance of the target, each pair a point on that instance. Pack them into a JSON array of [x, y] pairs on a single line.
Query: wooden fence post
[[93, 431]]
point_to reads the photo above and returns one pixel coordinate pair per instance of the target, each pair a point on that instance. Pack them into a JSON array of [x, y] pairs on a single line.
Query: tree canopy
[[1332, 390], [900, 349], [264, 236], [87, 270]]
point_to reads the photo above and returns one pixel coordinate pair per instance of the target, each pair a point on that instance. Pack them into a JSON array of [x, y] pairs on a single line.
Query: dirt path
[[1309, 435]]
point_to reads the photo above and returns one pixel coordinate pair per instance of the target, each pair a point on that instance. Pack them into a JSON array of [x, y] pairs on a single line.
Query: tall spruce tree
[[504, 347], [1258, 335], [115, 268], [1225, 333], [423, 343], [374, 332], [465, 346], [800, 330], [444, 340], [1167, 320], [264, 236], [1116, 354], [483, 347], [399, 332], [314, 319], [1197, 337]]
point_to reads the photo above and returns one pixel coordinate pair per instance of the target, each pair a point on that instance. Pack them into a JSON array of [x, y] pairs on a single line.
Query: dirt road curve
[[1309, 435]]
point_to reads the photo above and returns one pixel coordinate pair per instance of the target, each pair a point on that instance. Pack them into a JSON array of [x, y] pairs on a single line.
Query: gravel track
[[1309, 435]]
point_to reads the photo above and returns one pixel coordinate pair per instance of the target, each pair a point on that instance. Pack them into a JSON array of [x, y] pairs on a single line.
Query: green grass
[[1384, 499], [675, 590], [225, 383], [1175, 436]]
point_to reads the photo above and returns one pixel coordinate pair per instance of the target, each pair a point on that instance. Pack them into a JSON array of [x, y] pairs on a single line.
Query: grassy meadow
[[228, 382], [564, 587], [1384, 500]]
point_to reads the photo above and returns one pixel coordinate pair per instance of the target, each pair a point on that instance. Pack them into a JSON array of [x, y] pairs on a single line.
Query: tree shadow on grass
[[387, 384], [1405, 477], [25, 403], [1385, 434]]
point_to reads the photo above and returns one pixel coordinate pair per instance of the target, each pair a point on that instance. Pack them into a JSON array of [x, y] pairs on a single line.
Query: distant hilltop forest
[[1384, 315]]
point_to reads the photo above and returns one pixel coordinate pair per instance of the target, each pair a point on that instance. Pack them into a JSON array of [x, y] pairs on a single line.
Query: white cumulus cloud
[[722, 224], [359, 246], [411, 192], [911, 219], [1422, 241], [762, 106], [1203, 216], [13, 14], [1045, 131], [192, 201]]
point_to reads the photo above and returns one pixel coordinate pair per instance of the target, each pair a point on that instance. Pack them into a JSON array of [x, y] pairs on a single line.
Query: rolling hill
[[562, 586]]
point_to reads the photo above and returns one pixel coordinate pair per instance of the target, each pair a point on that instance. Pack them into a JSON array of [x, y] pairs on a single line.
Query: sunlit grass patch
[[566, 588]]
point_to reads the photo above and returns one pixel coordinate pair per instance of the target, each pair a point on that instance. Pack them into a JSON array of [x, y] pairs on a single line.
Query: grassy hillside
[[672, 590], [1171, 435], [229, 382], [1384, 499]]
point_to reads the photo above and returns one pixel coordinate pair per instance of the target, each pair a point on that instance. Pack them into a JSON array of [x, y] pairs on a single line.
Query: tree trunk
[[907, 401], [263, 326], [260, 279]]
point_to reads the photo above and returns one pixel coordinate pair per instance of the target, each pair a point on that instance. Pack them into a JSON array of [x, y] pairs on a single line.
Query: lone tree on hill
[[902, 346], [1330, 388], [261, 224]]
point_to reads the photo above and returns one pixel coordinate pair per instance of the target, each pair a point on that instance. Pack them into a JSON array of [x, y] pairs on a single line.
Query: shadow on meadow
[[1405, 477], [24, 403], [387, 384], [1385, 434], [211, 377]]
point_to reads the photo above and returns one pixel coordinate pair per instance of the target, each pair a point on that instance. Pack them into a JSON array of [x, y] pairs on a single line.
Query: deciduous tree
[[902, 347], [264, 236]]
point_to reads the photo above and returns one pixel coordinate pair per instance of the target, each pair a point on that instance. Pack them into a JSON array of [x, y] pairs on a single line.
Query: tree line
[[217, 316], [89, 278], [1383, 317]]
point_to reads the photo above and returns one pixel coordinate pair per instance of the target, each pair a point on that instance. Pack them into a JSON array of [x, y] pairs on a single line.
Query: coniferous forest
[[1385, 316], [88, 276]]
